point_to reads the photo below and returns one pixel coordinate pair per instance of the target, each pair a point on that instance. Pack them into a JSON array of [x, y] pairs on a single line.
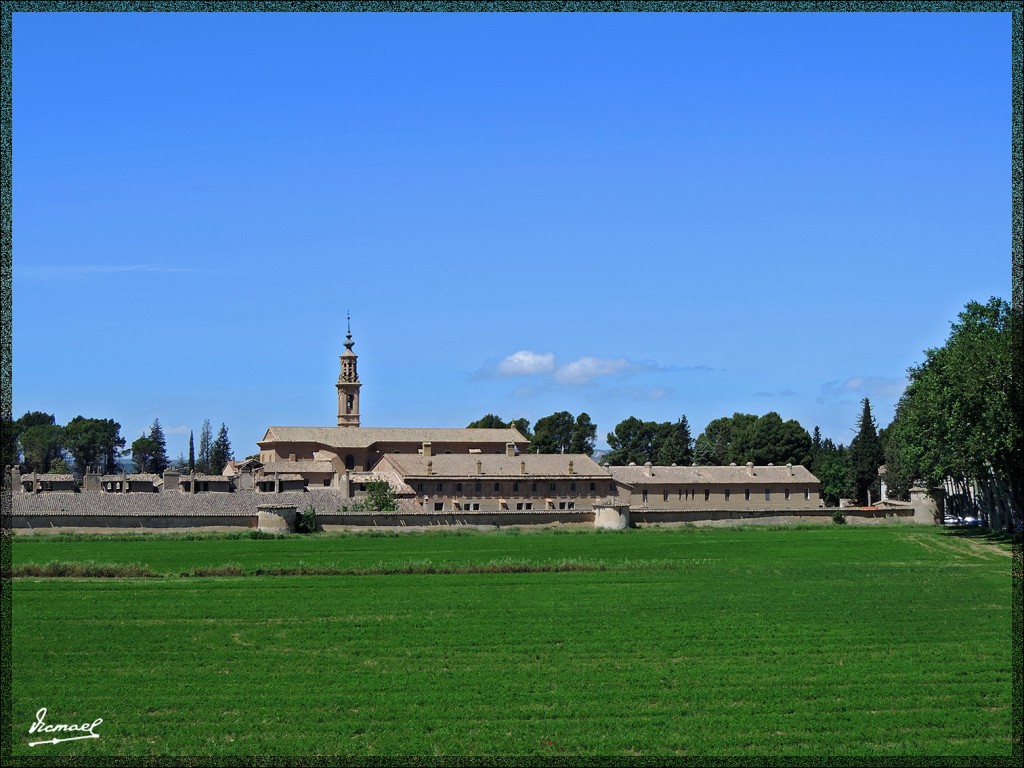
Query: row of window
[[689, 494], [478, 487], [521, 506]]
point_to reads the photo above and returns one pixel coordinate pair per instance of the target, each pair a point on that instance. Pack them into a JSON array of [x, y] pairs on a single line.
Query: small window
[[440, 487], [561, 505], [476, 506], [497, 487], [515, 486], [680, 494], [664, 495], [707, 494], [551, 486], [746, 494], [533, 487], [645, 495], [519, 506], [458, 487], [572, 486], [787, 494], [476, 487], [767, 494], [593, 486], [439, 506], [529, 505], [419, 487], [327, 483], [572, 505], [807, 494], [727, 492]]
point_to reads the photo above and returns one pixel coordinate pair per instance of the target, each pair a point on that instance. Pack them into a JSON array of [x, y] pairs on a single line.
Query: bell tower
[[348, 384]]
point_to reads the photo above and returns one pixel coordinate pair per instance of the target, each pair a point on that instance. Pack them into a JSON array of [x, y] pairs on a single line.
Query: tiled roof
[[205, 478], [777, 475], [170, 504], [365, 437], [306, 465], [463, 465], [48, 478]]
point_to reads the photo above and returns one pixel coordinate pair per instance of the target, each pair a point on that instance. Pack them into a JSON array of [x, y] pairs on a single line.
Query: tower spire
[[348, 382]]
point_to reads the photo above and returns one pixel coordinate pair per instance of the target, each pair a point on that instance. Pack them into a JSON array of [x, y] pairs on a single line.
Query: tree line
[[36, 443]]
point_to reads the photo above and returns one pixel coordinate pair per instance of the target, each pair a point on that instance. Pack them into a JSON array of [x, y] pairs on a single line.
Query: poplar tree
[[205, 441]]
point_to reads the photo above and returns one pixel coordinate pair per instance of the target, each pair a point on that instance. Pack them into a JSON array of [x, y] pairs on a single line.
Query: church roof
[[365, 437], [737, 475]]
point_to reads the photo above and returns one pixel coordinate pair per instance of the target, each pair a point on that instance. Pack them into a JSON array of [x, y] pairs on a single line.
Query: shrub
[[838, 518], [307, 522]]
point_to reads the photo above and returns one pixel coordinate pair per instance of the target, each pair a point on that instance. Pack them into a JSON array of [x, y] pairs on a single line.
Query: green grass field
[[828, 640]]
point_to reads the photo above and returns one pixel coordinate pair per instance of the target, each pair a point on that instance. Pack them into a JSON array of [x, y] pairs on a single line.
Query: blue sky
[[626, 214]]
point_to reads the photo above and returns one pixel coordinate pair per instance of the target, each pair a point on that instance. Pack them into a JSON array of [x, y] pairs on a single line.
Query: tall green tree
[[523, 426], [203, 463], [191, 453], [490, 421], [584, 435], [633, 442], [832, 468], [220, 451], [745, 437], [865, 457], [93, 443], [553, 434], [160, 461], [144, 454], [41, 445], [674, 443], [958, 422]]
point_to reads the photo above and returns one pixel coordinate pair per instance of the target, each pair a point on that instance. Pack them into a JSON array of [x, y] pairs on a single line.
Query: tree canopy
[[959, 419], [745, 437], [93, 443], [637, 441]]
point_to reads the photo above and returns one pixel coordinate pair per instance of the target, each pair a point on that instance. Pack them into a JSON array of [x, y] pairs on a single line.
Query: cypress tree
[[865, 456], [191, 453]]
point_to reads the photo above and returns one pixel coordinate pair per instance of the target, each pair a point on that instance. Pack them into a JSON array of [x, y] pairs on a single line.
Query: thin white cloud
[[51, 271], [586, 369], [865, 386], [526, 363]]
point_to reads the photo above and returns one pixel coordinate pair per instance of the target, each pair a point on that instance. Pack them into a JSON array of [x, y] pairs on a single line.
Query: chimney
[[479, 467], [427, 449], [510, 449], [790, 468], [648, 472], [430, 466], [750, 468], [291, 457], [571, 471], [522, 467]]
